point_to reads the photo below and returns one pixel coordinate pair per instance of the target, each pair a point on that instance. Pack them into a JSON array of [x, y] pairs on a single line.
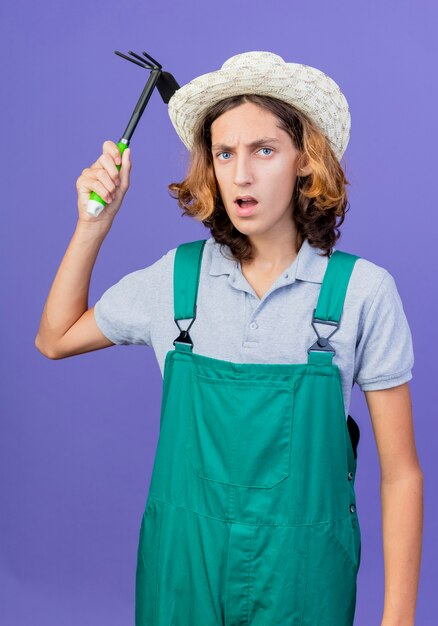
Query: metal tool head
[[166, 83]]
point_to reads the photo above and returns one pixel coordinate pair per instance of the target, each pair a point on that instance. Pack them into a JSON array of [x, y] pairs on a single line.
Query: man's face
[[267, 171]]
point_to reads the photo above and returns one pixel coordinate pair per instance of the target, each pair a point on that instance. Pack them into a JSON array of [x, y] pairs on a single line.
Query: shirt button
[[253, 325], [352, 508], [350, 475]]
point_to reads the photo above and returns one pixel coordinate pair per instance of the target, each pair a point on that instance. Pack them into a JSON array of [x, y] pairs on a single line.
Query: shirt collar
[[308, 265]]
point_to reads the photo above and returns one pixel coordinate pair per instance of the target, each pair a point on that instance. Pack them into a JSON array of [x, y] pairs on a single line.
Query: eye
[[219, 154], [264, 148]]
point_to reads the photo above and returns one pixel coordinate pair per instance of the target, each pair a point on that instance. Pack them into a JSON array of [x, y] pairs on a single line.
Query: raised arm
[[67, 326]]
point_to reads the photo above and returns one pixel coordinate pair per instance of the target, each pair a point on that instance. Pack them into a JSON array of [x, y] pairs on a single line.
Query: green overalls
[[251, 513]]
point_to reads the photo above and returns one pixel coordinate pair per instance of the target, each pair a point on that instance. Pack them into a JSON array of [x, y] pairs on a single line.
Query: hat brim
[[302, 86]]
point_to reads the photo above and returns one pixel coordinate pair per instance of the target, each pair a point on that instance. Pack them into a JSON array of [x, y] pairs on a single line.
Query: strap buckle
[[184, 336], [322, 344]]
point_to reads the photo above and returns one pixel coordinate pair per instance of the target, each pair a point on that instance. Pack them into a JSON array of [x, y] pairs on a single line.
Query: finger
[[108, 164], [103, 176], [110, 148], [126, 158], [99, 188], [126, 167]]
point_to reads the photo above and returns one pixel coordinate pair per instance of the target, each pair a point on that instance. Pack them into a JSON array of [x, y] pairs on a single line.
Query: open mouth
[[246, 203], [245, 208]]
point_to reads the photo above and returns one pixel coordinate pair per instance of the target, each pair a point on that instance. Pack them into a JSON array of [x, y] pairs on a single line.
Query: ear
[[304, 171]]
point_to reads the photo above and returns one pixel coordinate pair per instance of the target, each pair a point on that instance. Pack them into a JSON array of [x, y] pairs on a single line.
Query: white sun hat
[[265, 73]]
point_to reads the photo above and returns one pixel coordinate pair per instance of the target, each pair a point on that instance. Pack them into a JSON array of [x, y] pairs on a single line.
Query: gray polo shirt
[[373, 343]]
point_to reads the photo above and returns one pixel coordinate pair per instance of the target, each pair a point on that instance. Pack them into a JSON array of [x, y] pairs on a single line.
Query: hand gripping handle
[[95, 204]]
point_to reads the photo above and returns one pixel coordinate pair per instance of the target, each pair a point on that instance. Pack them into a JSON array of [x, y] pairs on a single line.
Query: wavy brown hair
[[318, 199]]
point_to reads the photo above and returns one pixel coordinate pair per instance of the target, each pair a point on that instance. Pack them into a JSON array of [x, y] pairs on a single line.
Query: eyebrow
[[254, 144]]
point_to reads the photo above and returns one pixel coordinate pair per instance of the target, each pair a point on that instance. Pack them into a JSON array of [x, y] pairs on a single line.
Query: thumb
[[125, 168]]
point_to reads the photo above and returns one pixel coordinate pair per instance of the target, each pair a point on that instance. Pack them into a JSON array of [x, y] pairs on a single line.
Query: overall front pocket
[[239, 431]]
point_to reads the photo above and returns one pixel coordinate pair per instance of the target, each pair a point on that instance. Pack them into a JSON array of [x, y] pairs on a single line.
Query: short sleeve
[[125, 310], [384, 352]]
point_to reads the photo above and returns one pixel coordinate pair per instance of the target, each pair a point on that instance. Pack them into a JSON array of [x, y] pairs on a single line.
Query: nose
[[242, 172]]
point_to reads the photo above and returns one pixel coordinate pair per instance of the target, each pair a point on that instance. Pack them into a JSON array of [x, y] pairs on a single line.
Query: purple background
[[78, 435]]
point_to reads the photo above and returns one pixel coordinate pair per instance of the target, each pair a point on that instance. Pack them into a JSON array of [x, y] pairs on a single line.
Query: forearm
[[68, 295], [402, 523]]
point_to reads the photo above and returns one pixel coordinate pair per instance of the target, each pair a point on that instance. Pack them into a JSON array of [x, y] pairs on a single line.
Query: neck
[[271, 254]]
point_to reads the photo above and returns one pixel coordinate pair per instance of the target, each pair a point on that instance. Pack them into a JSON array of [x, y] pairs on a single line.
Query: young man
[[251, 512]]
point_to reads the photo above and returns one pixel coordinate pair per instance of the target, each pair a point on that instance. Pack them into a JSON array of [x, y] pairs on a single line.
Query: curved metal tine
[[158, 65], [137, 56], [132, 60]]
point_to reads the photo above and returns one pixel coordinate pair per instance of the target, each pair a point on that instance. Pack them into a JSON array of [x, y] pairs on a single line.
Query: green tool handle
[[95, 204]]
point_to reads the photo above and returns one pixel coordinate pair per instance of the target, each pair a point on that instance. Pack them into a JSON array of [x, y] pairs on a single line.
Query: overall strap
[[330, 303], [186, 271]]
